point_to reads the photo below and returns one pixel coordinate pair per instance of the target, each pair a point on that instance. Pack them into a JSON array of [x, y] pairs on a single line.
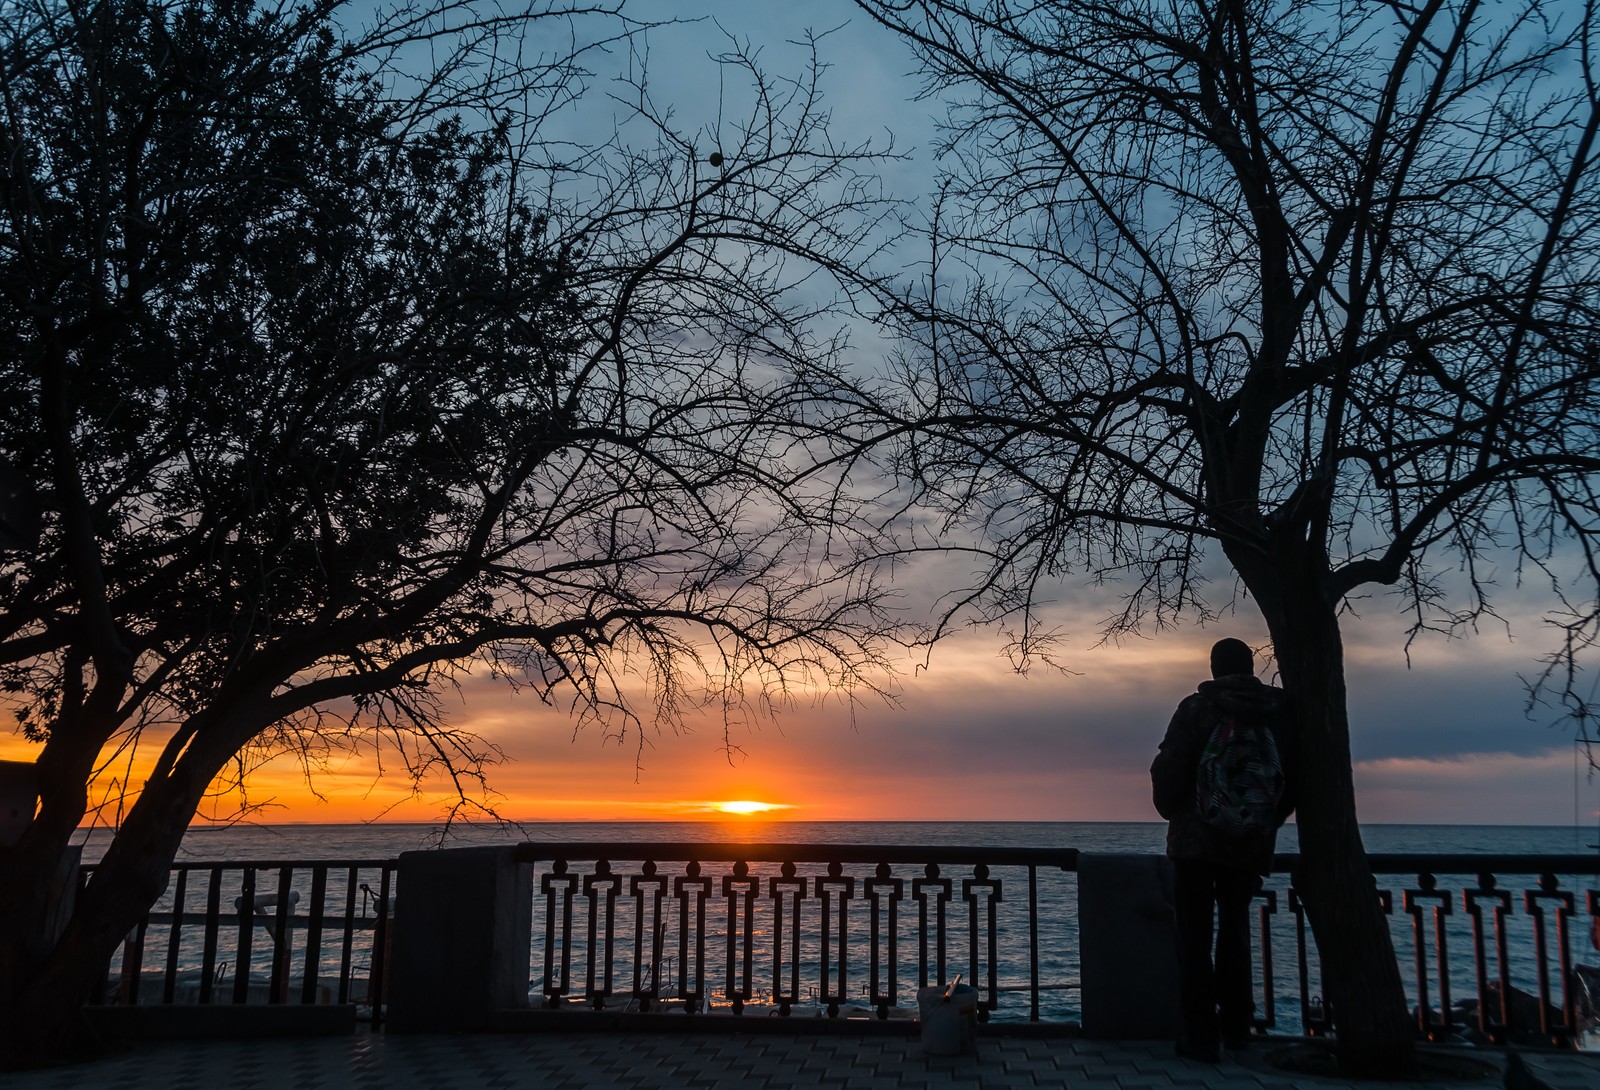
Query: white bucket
[[949, 1019]]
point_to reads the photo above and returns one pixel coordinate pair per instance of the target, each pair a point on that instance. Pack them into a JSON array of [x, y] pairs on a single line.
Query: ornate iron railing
[[636, 926], [1528, 926], [833, 915]]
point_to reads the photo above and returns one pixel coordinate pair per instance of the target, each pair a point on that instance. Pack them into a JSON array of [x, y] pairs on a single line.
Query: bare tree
[[1309, 283], [339, 364]]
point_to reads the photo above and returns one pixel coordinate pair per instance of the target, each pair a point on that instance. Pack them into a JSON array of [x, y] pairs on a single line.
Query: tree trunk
[[1361, 978], [28, 873], [44, 984]]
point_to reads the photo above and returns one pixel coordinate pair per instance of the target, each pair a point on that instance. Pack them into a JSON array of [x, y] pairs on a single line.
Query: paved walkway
[[600, 1061]]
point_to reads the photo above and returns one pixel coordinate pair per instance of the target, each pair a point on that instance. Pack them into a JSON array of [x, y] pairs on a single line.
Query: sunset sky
[[1443, 742], [1444, 739]]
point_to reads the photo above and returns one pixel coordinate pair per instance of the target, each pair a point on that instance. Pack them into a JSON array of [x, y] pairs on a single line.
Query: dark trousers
[[1216, 997]]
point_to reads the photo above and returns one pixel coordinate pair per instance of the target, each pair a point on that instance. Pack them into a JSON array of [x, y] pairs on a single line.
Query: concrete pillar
[[19, 797], [1127, 947], [461, 931]]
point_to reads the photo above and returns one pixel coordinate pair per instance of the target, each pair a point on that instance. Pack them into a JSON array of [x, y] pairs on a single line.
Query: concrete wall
[[19, 797], [1127, 947], [460, 949]]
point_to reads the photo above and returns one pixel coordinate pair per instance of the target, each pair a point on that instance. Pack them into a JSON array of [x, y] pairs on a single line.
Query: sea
[[244, 841], [1059, 943]]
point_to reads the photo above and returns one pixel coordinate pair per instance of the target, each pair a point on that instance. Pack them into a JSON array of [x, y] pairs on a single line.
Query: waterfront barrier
[[779, 934], [254, 934]]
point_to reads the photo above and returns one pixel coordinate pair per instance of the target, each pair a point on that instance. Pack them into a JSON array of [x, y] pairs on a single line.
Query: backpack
[[1240, 781]]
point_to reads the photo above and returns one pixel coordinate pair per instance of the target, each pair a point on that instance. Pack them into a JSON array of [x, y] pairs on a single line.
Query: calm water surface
[[374, 841]]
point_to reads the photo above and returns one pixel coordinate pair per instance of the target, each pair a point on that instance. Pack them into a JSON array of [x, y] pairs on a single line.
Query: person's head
[[1231, 656]]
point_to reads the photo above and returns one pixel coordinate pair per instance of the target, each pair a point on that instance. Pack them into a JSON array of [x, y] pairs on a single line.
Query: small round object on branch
[[715, 158]]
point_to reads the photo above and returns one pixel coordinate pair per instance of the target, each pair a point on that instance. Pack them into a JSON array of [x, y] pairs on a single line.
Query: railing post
[[347, 940], [601, 889], [1562, 902], [692, 889], [313, 952], [792, 890], [557, 930], [740, 889], [1315, 1020], [981, 890], [649, 891], [246, 904], [282, 938], [169, 986], [461, 930], [1266, 909], [1033, 943], [132, 966], [1491, 1026], [883, 893], [940, 888], [835, 941], [1416, 902], [208, 965], [382, 949]]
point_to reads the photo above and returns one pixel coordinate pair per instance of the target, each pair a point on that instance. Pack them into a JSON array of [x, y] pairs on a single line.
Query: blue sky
[[1440, 738]]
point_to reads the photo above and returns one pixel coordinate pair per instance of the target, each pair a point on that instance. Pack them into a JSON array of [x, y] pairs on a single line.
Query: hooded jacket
[[1173, 774]]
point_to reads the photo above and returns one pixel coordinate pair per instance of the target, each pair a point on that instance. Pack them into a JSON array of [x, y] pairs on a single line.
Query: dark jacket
[[1172, 775]]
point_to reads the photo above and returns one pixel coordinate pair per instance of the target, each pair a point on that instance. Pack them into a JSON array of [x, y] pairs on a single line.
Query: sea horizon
[[369, 840], [745, 820]]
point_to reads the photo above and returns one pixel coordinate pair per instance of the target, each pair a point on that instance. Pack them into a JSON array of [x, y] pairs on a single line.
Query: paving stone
[[602, 1061], [1025, 1066]]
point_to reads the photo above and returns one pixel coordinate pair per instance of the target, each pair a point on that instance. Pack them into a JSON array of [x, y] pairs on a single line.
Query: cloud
[[972, 740], [1551, 787], [1456, 697]]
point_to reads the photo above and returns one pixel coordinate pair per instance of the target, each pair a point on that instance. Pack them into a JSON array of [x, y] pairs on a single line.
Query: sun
[[747, 806]]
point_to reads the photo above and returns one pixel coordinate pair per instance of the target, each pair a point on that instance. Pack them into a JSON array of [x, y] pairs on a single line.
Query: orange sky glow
[[970, 741]]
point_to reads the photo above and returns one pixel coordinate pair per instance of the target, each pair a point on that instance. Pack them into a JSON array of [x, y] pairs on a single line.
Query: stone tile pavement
[[603, 1061]]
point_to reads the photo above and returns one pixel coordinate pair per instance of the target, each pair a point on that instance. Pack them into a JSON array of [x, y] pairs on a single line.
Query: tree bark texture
[[1360, 976], [44, 984]]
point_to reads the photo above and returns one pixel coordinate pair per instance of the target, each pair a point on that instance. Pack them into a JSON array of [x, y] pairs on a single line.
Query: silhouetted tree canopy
[[331, 373], [1309, 285]]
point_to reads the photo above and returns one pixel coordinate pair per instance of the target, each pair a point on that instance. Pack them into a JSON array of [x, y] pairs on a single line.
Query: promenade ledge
[[1068, 951]]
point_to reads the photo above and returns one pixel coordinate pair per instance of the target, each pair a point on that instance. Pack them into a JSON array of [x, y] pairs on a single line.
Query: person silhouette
[[1217, 871]]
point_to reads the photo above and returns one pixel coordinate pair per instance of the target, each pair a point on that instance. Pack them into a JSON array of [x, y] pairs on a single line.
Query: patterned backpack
[[1240, 780]]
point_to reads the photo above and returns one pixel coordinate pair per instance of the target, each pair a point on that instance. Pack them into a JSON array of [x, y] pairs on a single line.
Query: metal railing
[[271, 932], [836, 916], [781, 926], [855, 930], [1511, 940]]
